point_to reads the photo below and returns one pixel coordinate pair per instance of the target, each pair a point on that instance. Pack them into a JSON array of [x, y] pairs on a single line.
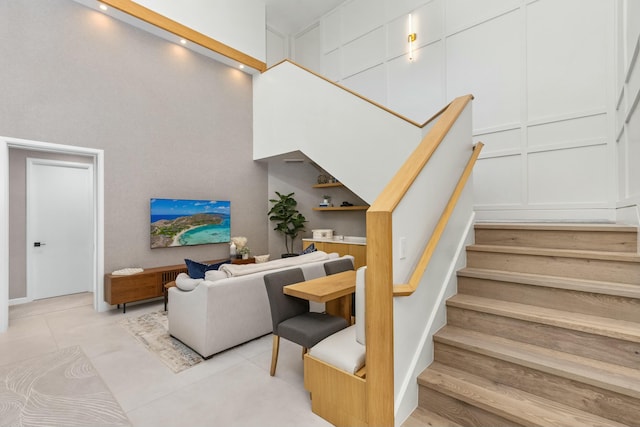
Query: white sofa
[[217, 315]]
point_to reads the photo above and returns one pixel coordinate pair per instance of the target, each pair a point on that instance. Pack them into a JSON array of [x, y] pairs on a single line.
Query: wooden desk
[[334, 290]]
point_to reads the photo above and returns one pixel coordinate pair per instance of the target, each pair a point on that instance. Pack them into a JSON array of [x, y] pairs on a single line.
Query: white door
[[60, 229]]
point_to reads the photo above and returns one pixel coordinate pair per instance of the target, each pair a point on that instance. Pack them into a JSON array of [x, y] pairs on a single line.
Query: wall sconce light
[[411, 38]]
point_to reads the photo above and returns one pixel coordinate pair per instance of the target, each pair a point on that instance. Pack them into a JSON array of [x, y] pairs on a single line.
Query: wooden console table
[[140, 286]]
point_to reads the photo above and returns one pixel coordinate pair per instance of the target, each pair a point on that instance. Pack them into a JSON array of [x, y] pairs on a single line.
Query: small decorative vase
[[245, 256]]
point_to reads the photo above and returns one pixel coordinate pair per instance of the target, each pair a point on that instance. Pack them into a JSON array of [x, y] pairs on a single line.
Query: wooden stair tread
[[608, 376], [423, 417], [582, 285], [559, 253], [507, 402], [556, 227], [619, 329]]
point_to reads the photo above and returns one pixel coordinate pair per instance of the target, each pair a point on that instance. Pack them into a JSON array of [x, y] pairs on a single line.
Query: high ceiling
[[291, 16]]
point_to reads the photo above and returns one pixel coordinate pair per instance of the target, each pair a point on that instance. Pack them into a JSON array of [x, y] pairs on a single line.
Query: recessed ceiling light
[[241, 66], [103, 7], [183, 41]]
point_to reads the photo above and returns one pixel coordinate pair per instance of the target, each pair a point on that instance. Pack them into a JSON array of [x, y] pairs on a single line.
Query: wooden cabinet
[[359, 252], [140, 286]]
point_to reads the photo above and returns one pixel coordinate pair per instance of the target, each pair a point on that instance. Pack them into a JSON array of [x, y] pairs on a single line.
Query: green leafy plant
[[288, 220]]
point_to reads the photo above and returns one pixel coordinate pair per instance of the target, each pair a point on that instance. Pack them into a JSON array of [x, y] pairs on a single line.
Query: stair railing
[[380, 261]]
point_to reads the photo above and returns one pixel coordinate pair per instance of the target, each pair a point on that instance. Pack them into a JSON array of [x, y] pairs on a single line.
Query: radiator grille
[[170, 276]]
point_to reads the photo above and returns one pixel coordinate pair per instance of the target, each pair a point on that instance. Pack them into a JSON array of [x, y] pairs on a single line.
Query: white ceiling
[[291, 16]]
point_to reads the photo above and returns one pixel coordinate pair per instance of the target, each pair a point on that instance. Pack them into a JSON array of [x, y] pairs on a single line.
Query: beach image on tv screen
[[176, 222]]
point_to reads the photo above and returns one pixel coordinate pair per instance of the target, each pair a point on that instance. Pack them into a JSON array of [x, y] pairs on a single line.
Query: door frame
[[31, 163], [98, 262]]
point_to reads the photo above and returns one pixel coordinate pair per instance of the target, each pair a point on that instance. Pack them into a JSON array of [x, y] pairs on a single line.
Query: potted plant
[[288, 220]]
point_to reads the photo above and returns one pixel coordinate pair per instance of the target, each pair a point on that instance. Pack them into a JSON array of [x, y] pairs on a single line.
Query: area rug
[[58, 389], [152, 330]]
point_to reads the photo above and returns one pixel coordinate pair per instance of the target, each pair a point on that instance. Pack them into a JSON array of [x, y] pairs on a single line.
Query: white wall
[[357, 142], [627, 118], [239, 24], [277, 47], [542, 73]]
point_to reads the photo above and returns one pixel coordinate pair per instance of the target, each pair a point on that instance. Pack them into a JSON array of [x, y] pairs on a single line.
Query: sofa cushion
[[186, 283], [197, 269]]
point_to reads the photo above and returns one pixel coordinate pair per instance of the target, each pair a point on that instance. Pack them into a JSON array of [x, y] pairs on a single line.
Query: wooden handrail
[[400, 183], [364, 98], [379, 327], [408, 288], [154, 18]]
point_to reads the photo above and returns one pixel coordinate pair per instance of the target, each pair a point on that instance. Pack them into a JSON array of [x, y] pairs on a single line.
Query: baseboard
[[18, 301]]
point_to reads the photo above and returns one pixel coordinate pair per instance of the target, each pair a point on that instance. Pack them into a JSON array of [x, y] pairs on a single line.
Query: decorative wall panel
[[360, 17], [486, 62], [501, 142], [557, 63], [417, 88], [580, 130], [465, 13], [571, 176], [498, 181], [363, 53], [331, 25]]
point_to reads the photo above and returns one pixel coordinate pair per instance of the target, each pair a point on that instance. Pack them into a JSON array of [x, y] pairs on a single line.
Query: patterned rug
[[152, 330], [58, 389]]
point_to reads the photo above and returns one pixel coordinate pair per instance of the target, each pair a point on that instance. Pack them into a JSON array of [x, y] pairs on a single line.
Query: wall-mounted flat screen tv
[[178, 222]]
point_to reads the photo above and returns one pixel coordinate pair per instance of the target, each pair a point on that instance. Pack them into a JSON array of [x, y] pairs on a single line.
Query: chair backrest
[[338, 266], [360, 285], [283, 306]]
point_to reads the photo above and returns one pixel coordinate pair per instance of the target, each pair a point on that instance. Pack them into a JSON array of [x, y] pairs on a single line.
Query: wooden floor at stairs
[[544, 331]]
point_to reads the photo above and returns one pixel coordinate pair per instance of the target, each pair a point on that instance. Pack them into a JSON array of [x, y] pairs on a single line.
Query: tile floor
[[232, 388]]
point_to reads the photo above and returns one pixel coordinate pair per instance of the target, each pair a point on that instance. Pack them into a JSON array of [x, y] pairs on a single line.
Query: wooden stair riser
[[562, 299], [584, 397], [581, 268], [606, 349], [459, 411], [587, 240]]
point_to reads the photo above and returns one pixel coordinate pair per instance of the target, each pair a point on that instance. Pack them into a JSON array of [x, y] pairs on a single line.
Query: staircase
[[544, 331]]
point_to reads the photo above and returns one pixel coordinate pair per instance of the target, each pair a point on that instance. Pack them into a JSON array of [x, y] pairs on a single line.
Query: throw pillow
[[310, 248], [197, 269], [186, 283]]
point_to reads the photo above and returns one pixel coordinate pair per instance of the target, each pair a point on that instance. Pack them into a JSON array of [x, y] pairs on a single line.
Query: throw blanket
[[233, 270]]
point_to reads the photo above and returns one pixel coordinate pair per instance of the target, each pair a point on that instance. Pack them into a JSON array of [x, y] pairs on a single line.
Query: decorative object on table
[[232, 250], [189, 222], [127, 271], [326, 201], [61, 388], [261, 258], [152, 331], [289, 221], [244, 252], [239, 242], [322, 233]]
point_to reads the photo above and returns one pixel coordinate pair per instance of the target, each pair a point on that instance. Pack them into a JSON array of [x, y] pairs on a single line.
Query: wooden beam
[[149, 16]]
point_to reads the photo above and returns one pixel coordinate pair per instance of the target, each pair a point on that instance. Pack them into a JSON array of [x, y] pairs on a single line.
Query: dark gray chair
[[291, 317], [338, 266]]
